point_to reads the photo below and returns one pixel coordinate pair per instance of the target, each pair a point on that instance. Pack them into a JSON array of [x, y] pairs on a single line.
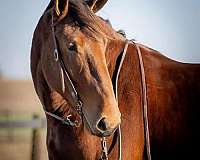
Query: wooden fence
[[35, 124]]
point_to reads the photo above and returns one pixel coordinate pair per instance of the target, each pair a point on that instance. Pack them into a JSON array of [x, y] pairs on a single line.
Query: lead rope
[[145, 103]]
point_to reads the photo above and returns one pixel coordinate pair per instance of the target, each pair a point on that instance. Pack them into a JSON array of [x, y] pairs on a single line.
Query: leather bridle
[[78, 104]]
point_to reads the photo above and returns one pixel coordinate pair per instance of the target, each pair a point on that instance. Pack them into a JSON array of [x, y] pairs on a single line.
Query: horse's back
[[174, 105]]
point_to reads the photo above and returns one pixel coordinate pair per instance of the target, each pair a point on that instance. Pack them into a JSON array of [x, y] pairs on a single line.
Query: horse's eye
[[72, 46]]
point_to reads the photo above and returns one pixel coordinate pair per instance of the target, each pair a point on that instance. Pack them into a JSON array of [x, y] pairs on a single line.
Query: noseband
[[78, 104]]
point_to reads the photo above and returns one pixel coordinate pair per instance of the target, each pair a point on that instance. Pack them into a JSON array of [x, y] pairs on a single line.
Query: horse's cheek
[[52, 73]]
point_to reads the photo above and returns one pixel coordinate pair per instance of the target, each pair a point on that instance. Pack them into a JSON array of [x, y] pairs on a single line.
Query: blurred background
[[171, 27]]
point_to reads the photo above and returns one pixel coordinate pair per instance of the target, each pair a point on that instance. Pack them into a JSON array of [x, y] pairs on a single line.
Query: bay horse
[[75, 58]]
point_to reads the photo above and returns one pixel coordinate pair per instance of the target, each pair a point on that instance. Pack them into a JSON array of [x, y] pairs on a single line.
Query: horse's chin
[[106, 134]]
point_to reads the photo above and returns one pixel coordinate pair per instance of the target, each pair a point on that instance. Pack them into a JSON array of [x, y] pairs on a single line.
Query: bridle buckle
[[79, 106], [70, 122]]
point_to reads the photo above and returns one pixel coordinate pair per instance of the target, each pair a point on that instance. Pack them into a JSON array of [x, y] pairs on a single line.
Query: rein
[[78, 104], [145, 103], [144, 96]]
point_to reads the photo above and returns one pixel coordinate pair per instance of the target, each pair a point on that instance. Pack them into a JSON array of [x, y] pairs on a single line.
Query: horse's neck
[[129, 98], [115, 43], [113, 51]]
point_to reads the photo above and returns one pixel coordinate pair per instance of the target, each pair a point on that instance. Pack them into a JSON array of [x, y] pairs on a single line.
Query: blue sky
[[171, 27]]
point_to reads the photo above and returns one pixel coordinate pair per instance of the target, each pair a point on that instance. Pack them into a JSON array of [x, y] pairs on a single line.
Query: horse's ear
[[61, 8], [96, 5]]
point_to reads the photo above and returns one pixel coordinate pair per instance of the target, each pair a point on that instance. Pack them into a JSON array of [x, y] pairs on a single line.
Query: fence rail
[[35, 124]]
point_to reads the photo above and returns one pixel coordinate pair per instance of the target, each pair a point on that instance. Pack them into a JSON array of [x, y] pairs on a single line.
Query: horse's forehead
[[70, 30], [74, 33]]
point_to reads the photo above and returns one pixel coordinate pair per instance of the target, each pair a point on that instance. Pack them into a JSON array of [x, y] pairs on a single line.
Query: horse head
[[82, 48]]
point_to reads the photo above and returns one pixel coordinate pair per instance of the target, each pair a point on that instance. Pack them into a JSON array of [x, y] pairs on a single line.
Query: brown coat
[[173, 93]]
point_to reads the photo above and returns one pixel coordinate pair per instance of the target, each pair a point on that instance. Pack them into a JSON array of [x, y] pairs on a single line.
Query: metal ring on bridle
[[56, 54], [79, 106]]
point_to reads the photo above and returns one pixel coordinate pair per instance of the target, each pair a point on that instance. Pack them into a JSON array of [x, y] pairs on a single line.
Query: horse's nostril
[[102, 125]]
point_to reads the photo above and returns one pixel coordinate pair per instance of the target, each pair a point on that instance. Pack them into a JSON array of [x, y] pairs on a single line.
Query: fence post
[[10, 131], [35, 154]]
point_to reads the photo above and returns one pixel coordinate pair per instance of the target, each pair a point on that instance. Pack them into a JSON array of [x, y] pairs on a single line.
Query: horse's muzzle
[[105, 128]]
